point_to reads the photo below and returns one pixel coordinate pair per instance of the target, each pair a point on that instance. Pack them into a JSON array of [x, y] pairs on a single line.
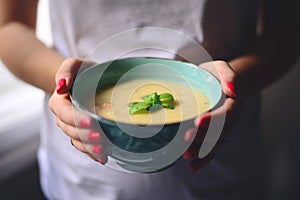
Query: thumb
[[66, 73], [227, 78]]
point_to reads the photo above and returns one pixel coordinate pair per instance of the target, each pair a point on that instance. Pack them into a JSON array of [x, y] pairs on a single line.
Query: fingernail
[[231, 88], [97, 149], [61, 84], [94, 136], [189, 135], [187, 155], [203, 121], [84, 123]]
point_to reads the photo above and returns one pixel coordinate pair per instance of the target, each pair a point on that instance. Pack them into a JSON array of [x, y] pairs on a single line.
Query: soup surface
[[112, 102]]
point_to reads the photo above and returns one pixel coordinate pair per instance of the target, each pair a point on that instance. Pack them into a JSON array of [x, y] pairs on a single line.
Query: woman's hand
[[230, 109], [81, 134]]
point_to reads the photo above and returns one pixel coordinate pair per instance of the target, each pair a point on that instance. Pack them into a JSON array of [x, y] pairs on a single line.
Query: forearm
[[270, 58], [275, 51], [27, 57]]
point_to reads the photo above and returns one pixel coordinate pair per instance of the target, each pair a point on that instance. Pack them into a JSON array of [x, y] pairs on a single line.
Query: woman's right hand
[[82, 135]]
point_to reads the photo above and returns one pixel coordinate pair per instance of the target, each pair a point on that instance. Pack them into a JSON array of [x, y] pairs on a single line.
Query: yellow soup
[[112, 102]]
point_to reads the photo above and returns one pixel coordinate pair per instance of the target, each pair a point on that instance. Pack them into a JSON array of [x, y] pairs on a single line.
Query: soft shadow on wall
[[281, 135]]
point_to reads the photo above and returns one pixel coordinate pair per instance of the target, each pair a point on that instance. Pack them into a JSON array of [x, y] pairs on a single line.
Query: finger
[[96, 151], [66, 73], [102, 161], [190, 134], [198, 163], [195, 136], [227, 78], [222, 70], [81, 134], [226, 114], [229, 109], [92, 157], [194, 148], [62, 107]]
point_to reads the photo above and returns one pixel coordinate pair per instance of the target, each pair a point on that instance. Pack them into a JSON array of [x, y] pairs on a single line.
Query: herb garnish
[[151, 101]]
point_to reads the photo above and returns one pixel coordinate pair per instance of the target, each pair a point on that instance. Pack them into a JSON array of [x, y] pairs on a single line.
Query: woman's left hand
[[230, 109]]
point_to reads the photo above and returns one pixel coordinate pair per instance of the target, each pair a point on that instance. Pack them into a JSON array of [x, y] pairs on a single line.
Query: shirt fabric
[[229, 27]]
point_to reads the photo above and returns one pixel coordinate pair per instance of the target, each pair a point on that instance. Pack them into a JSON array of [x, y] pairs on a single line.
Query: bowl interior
[[109, 73]]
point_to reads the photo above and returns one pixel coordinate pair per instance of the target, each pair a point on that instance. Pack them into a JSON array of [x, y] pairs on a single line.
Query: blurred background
[[20, 110]]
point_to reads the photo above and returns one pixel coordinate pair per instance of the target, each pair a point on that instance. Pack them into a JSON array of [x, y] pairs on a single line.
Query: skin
[[31, 61]]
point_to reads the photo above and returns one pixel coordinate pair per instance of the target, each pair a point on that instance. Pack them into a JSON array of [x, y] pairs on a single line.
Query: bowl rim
[[101, 119]]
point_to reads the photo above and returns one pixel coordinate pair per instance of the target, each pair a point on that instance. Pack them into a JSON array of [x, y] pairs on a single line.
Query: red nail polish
[[97, 149], [231, 88], [189, 135], [84, 123], [204, 122], [187, 155], [61, 84], [94, 136]]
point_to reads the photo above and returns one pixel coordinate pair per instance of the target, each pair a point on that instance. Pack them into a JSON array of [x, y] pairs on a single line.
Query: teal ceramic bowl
[[126, 150]]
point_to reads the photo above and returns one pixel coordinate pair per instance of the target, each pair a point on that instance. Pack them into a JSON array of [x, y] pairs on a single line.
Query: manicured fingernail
[[203, 121], [60, 84], [189, 135], [231, 88], [84, 123], [187, 155], [97, 149], [94, 136]]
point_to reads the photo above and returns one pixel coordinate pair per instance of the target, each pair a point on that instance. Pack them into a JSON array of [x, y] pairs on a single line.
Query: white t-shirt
[[229, 28]]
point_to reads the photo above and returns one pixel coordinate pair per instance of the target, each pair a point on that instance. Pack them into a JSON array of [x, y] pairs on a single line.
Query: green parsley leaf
[[152, 102]]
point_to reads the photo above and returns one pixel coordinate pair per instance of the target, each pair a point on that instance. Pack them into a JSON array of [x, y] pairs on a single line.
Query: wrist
[[247, 79]]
